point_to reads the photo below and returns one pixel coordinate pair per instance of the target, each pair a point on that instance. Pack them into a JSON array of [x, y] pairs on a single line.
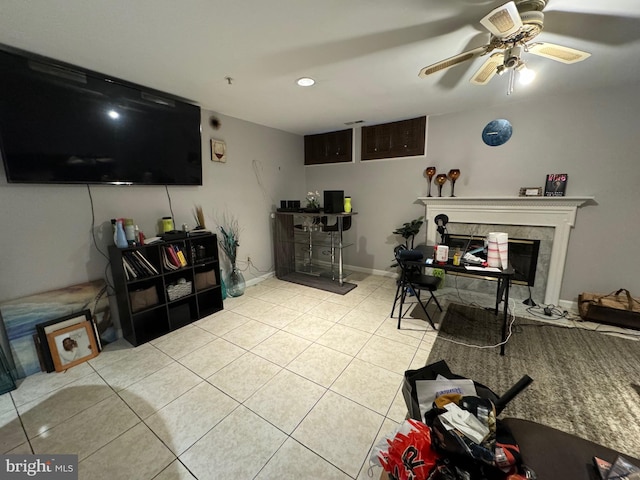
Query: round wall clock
[[497, 132]]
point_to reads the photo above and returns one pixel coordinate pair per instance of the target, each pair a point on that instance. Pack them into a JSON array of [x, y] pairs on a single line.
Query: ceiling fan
[[512, 26]]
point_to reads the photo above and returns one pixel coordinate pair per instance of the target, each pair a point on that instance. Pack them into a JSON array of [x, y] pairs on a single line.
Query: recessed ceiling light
[[305, 81]]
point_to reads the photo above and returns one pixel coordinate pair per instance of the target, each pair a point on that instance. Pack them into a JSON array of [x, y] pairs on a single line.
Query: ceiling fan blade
[[503, 21], [455, 60], [488, 69], [557, 52]]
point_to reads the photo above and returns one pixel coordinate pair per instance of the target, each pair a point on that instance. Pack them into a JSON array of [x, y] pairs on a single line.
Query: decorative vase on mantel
[[235, 282]]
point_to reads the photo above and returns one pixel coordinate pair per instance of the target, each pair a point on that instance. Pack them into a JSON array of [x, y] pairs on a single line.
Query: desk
[[503, 276]]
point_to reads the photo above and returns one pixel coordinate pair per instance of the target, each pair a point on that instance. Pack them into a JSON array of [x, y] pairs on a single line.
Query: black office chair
[[413, 280], [334, 231]]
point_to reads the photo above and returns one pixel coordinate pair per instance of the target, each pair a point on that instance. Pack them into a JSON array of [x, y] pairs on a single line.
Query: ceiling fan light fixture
[[305, 81], [526, 75]]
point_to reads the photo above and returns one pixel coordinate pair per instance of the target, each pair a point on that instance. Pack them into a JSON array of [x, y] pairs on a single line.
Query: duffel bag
[[616, 308]]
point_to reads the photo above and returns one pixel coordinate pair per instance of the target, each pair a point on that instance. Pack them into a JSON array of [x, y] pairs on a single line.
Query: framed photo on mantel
[[555, 185]]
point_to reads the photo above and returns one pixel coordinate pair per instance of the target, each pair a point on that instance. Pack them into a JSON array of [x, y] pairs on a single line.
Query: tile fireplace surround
[[556, 212]]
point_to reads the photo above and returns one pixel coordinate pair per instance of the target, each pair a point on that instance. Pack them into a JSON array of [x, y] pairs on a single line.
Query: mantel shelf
[[508, 201]]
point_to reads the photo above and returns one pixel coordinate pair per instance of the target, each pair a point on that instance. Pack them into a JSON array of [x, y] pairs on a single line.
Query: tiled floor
[[286, 382]]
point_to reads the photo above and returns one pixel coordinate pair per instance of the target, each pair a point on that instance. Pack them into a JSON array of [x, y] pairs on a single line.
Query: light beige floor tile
[[368, 385], [253, 308], [232, 302], [340, 431], [250, 334], [212, 357], [329, 311], [279, 316], [411, 332], [22, 449], [398, 411], [350, 300], [174, 333], [308, 326], [301, 303], [88, 431], [112, 352], [160, 388], [313, 292], [295, 461], [222, 322], [277, 295], [242, 377], [175, 471], [136, 454], [186, 342], [259, 290], [388, 354], [185, 420], [344, 339], [11, 432], [320, 364], [42, 383], [285, 400], [6, 403], [372, 469], [281, 347], [56, 407], [274, 282], [362, 320], [237, 448], [377, 303], [144, 361]]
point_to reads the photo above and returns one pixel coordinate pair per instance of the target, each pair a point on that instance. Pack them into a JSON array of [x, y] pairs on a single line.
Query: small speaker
[[333, 201]]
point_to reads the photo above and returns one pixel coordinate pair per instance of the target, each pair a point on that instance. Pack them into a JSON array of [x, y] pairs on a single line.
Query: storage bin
[[179, 290]]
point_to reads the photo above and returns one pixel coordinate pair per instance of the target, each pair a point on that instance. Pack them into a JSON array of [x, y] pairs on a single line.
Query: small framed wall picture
[[530, 192], [218, 151], [72, 345]]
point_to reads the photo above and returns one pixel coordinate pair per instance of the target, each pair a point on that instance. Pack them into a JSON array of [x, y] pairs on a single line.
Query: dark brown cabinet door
[[396, 139], [332, 147]]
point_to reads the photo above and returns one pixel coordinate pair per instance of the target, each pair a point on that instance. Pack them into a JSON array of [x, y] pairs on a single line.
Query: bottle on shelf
[[119, 237], [129, 231]]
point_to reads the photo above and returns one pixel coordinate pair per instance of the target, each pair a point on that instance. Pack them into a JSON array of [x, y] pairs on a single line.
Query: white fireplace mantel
[[557, 212]]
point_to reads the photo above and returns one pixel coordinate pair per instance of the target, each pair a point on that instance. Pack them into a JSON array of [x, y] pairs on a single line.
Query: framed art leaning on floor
[[72, 345]]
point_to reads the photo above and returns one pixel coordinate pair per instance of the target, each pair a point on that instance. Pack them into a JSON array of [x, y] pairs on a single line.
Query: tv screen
[[64, 124]]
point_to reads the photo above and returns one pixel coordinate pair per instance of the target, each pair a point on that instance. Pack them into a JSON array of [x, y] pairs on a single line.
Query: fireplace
[[523, 254], [550, 217]]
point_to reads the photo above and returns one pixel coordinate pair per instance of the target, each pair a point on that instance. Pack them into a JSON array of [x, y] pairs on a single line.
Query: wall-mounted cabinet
[[405, 138], [155, 296], [332, 147]]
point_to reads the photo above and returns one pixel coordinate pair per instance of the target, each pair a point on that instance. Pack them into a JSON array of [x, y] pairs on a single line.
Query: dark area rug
[[585, 383], [321, 283]]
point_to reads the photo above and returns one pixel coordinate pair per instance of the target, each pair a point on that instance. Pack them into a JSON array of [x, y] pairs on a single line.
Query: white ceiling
[[364, 54]]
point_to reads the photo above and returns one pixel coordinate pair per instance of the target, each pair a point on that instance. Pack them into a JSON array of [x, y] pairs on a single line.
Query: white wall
[[45, 230], [591, 136]]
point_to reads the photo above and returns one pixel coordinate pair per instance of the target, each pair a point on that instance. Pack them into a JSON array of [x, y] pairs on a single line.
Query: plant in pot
[[409, 230], [229, 243]]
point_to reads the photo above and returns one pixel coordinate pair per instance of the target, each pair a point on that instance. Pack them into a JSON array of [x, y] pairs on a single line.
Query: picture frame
[[530, 192], [45, 328], [218, 151], [72, 345]]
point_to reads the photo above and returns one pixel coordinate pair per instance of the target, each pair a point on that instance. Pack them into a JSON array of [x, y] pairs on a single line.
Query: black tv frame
[[180, 165]]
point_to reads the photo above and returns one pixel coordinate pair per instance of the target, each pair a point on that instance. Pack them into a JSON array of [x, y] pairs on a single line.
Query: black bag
[[462, 458], [430, 372]]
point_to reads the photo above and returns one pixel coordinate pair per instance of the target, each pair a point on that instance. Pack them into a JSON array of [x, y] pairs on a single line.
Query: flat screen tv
[[64, 124]]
